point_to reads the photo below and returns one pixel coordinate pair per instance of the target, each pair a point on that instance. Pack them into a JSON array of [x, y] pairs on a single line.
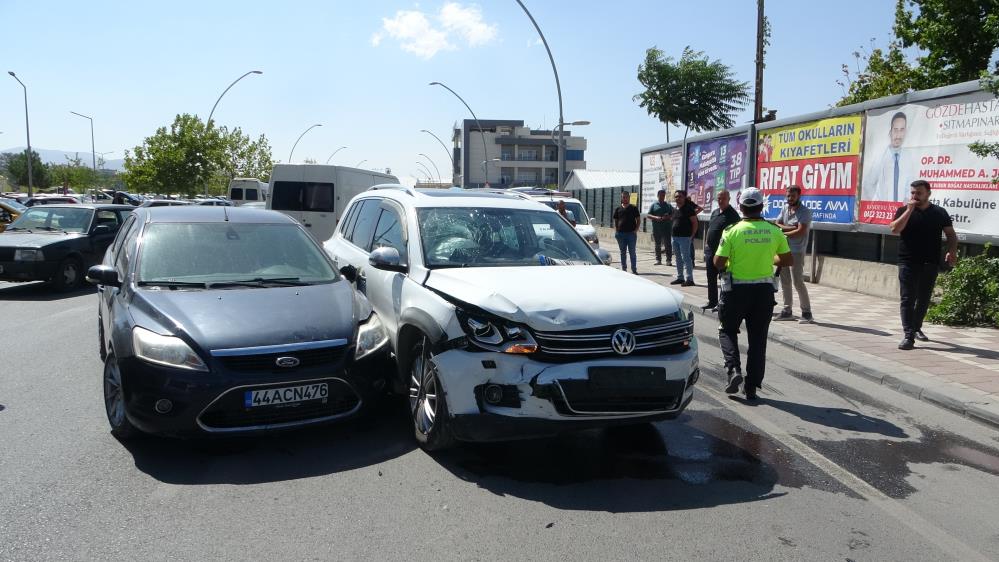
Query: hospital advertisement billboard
[[660, 170]]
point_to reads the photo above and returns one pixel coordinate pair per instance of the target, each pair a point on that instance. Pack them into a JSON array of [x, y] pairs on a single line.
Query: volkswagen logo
[[287, 362], [623, 342]]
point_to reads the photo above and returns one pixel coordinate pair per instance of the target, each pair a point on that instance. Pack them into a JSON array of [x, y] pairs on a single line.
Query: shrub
[[970, 293]]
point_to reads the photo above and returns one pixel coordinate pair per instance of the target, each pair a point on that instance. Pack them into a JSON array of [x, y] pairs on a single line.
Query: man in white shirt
[[889, 180]]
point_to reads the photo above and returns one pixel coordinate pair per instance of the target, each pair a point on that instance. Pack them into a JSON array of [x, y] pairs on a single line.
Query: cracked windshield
[[305, 280]]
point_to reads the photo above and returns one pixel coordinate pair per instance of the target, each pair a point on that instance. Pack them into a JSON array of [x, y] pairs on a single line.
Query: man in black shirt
[[920, 224], [626, 219], [684, 227], [721, 218]]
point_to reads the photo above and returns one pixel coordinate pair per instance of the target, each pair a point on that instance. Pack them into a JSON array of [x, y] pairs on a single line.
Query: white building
[[514, 155]]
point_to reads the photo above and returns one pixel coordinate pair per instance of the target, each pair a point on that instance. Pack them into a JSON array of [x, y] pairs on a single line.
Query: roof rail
[[409, 191]]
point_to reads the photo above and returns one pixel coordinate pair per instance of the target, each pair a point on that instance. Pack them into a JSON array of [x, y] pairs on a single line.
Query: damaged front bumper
[[498, 396]]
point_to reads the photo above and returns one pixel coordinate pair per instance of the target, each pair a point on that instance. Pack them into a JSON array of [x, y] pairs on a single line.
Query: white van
[[315, 194], [244, 190]]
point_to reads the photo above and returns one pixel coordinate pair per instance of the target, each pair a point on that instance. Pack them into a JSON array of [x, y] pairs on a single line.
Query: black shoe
[[734, 381], [676, 281], [919, 335], [750, 392], [669, 263], [907, 343], [687, 284], [658, 262], [634, 271], [710, 305]]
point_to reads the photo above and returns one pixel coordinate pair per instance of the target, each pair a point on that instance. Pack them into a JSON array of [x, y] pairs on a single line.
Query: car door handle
[[308, 224]]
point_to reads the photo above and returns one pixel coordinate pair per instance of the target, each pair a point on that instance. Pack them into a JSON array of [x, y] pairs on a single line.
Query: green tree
[[74, 173], [988, 149], [17, 165], [186, 156], [958, 38], [884, 73], [694, 91]]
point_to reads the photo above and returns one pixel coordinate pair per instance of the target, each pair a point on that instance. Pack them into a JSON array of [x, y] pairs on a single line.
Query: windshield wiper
[[173, 284], [13, 228], [259, 282]]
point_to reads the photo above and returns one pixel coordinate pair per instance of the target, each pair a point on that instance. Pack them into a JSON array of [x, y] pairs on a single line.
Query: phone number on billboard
[[889, 215]]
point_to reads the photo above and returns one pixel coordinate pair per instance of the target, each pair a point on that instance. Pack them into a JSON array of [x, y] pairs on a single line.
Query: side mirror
[[593, 223], [103, 229], [388, 259], [349, 273], [103, 275], [604, 255]]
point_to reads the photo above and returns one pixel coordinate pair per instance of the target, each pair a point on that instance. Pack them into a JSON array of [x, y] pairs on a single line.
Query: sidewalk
[[958, 369]]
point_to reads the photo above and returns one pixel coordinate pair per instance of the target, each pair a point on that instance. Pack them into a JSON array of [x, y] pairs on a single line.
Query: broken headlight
[[496, 334]]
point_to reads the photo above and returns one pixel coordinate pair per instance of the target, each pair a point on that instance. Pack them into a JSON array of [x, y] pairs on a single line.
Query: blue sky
[[362, 68]]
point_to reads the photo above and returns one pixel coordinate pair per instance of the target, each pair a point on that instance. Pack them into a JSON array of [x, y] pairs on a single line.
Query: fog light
[[493, 393], [163, 406]]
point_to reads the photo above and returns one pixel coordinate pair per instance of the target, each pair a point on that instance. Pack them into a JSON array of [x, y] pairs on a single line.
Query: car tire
[[114, 401], [427, 400], [68, 276]]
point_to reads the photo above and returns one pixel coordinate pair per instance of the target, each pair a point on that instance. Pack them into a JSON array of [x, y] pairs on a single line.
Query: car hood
[[249, 317], [556, 298], [21, 239]]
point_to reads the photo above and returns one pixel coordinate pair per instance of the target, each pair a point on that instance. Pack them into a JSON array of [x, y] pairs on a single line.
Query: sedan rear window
[[231, 252]]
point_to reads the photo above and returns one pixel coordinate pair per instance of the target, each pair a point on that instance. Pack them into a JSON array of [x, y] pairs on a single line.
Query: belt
[[758, 281]]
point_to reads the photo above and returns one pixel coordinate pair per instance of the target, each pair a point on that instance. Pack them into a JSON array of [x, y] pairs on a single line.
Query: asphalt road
[[825, 467]]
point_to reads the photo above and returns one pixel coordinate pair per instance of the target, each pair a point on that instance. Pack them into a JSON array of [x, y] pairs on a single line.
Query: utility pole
[[760, 39]]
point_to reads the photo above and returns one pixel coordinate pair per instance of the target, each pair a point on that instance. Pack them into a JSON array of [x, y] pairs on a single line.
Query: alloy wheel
[[114, 400], [423, 392]]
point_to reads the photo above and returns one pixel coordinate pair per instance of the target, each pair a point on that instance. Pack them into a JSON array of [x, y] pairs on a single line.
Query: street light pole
[[300, 138], [558, 86], [208, 124], [93, 153], [427, 171], [446, 151], [27, 131], [477, 124], [358, 165], [334, 154], [439, 179]]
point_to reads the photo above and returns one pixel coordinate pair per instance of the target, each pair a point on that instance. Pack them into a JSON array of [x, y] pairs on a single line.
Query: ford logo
[[623, 342], [287, 362]]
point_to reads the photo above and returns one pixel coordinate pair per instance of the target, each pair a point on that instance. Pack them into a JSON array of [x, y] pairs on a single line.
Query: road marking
[[934, 534]]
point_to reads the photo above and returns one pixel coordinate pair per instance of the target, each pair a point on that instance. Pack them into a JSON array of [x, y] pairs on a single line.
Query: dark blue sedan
[[217, 320]]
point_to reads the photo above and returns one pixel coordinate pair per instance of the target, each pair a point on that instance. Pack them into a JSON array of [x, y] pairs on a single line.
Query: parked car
[[9, 211], [585, 226], [503, 322], [214, 323], [213, 203], [51, 200], [163, 203], [56, 243]]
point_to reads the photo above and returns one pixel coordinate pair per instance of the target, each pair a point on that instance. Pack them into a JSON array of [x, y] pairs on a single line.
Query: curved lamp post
[[358, 165], [477, 124], [446, 151], [208, 124], [300, 138], [427, 171], [439, 179], [27, 131], [92, 152], [334, 154]]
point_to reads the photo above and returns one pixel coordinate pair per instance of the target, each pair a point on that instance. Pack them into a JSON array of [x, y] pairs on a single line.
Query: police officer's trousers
[[753, 304]]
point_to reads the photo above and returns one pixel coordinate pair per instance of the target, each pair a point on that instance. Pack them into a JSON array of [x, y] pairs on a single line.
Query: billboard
[[715, 165], [823, 157], [660, 170], [929, 140]]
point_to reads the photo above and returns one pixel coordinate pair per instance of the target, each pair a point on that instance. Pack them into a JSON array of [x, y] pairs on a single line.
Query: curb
[[940, 394]]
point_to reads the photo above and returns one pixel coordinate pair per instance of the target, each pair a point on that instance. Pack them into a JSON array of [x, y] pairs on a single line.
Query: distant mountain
[[61, 157]]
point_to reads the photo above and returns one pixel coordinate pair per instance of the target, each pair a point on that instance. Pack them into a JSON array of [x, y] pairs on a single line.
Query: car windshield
[[575, 208], [477, 237], [53, 218], [13, 204], [221, 253]]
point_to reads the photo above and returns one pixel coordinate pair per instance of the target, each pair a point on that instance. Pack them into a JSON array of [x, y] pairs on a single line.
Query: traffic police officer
[[746, 255]]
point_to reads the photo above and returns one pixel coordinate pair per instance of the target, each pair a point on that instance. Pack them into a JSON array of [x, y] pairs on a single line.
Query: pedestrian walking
[[721, 218], [919, 224], [745, 257], [626, 219], [795, 221], [683, 228], [661, 215]]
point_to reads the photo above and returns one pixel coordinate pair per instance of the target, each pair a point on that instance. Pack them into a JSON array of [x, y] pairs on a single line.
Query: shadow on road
[[955, 348], [700, 460], [838, 418], [382, 434], [39, 291], [856, 329]]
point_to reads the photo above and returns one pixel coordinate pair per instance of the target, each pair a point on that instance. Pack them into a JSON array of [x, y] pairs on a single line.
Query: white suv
[[503, 321]]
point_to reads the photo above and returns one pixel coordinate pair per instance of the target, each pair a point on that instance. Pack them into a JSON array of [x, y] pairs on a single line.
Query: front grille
[[656, 336], [229, 412], [267, 362], [7, 254], [579, 397]]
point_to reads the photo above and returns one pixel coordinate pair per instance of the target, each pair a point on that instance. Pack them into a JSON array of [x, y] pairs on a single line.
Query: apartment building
[[513, 154]]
